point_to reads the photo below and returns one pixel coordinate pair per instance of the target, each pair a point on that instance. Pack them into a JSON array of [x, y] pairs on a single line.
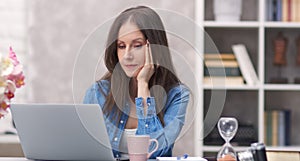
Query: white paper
[[175, 158]]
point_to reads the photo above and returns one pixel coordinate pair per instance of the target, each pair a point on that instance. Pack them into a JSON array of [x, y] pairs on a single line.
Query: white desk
[[10, 146], [12, 159]]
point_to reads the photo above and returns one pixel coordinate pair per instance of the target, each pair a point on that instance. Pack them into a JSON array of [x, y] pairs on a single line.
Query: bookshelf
[[248, 103]]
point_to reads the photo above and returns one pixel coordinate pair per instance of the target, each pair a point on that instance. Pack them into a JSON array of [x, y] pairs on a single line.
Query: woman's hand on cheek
[[146, 71]]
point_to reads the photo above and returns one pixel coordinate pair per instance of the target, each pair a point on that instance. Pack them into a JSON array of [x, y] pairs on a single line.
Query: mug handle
[[156, 147]]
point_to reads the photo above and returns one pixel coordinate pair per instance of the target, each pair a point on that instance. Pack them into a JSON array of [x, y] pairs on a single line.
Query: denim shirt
[[149, 124]]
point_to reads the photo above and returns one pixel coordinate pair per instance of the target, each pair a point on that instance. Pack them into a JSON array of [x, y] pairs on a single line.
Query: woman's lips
[[131, 66]]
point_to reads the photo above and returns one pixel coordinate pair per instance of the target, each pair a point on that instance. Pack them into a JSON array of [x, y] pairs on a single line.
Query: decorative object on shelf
[[11, 78], [227, 128], [246, 135], [279, 45], [227, 10], [297, 79]]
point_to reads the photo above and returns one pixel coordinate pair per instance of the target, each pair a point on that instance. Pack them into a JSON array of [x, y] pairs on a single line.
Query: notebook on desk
[[62, 132]]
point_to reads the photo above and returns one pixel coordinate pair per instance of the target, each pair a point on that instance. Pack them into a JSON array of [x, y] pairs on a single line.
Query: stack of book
[[277, 127], [221, 69], [230, 68]]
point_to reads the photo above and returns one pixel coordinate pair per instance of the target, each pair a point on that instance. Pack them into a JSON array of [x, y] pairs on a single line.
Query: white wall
[[13, 16], [13, 20]]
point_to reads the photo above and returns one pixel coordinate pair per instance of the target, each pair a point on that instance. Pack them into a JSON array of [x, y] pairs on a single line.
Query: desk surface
[[12, 159]]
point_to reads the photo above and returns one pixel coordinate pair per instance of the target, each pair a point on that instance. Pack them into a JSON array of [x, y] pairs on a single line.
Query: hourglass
[[227, 128]]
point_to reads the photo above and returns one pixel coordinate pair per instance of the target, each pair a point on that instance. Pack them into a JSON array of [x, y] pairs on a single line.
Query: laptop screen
[[62, 131]]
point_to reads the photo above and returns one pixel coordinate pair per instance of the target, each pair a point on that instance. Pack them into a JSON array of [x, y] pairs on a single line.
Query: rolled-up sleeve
[[174, 117]]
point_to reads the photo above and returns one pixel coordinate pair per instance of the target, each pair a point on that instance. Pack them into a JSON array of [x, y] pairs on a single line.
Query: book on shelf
[[278, 10], [220, 80], [219, 71], [219, 56], [298, 13], [245, 64], [221, 63], [277, 127], [295, 9], [269, 10], [274, 10], [285, 10], [282, 155], [297, 6]]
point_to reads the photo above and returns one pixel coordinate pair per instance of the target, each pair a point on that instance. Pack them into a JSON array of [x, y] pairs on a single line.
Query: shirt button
[[146, 125], [121, 121], [115, 139], [117, 155], [148, 104]]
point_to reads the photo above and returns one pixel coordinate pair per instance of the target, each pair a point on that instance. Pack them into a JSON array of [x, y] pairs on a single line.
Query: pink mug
[[138, 147]]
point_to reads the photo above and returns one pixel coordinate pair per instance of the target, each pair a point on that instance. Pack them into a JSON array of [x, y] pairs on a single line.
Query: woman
[[140, 92]]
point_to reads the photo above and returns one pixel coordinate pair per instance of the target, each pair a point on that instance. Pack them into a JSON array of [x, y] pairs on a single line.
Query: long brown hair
[[163, 79]]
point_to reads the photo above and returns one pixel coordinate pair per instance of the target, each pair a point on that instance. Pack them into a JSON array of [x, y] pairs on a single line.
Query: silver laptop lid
[[62, 131]]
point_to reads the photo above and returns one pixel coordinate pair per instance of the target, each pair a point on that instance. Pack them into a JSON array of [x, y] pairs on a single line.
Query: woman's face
[[131, 46]]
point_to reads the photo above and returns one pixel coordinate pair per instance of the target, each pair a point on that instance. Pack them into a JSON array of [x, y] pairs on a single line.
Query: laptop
[[62, 132]]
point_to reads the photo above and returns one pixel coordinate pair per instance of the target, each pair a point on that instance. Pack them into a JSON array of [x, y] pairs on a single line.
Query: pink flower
[[17, 79], [11, 78], [13, 57]]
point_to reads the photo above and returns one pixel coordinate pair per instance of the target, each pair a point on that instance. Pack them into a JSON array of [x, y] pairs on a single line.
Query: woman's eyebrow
[[137, 39], [134, 40]]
